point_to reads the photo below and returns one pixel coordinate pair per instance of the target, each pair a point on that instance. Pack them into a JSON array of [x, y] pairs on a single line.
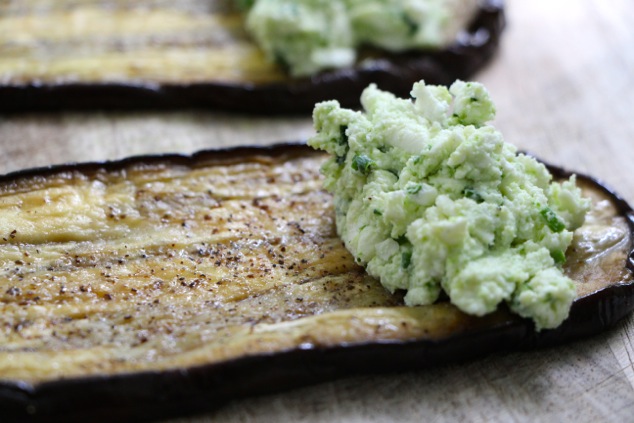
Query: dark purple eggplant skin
[[395, 73], [152, 396]]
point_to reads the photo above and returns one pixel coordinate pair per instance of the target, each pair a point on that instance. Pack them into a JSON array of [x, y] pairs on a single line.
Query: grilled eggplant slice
[[193, 53], [164, 285]]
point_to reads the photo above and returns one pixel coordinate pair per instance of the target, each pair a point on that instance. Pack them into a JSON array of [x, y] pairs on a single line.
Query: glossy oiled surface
[[126, 42], [563, 85], [164, 266]]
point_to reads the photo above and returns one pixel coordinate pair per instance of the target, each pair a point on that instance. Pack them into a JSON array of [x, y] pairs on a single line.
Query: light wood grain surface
[[563, 82]]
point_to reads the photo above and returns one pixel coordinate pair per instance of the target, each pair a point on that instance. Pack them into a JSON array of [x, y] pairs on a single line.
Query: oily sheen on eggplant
[[63, 55], [168, 285]]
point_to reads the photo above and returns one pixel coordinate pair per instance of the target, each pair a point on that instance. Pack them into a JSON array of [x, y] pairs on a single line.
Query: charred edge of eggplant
[[396, 73], [225, 155], [149, 395], [602, 309]]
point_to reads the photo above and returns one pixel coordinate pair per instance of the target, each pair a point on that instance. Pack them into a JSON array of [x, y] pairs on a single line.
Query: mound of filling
[[307, 36], [430, 198]]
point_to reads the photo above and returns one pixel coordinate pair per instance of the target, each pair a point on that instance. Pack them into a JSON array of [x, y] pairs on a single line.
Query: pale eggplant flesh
[[160, 286], [106, 54]]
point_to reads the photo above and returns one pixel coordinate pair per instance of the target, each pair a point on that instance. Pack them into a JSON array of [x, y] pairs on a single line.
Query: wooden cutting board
[[563, 82]]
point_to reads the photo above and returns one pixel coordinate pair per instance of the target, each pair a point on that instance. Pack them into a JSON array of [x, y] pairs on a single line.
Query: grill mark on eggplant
[[324, 317]]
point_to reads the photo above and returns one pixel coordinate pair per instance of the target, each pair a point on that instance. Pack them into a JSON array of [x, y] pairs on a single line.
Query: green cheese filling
[[307, 36], [430, 198]]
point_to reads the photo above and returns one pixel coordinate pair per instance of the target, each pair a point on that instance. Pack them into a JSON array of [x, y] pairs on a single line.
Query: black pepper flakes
[[13, 291]]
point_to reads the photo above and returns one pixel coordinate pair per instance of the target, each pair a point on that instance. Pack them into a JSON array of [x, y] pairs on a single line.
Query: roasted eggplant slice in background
[[166, 285], [106, 54]]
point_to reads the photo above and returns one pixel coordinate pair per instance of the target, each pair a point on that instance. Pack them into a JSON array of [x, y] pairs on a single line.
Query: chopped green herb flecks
[[558, 256], [280, 60], [343, 138], [412, 25], [402, 240], [414, 188], [552, 220], [406, 259], [245, 4], [472, 194], [362, 163]]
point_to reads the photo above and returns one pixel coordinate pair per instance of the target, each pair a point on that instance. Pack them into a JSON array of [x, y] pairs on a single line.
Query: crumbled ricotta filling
[[307, 36], [430, 198]]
